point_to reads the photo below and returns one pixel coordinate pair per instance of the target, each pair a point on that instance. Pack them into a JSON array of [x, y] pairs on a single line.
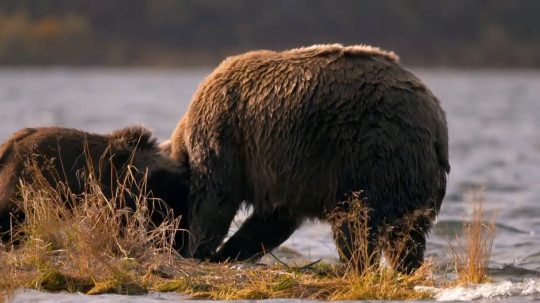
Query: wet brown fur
[[293, 133]]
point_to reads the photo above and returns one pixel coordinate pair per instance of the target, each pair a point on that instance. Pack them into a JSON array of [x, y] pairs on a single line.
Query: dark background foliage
[[496, 33]]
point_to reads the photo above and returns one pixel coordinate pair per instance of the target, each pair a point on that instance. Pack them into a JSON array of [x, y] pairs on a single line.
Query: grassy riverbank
[[93, 245]]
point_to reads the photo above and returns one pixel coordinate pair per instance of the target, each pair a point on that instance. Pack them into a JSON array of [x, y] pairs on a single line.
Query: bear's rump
[[314, 178]]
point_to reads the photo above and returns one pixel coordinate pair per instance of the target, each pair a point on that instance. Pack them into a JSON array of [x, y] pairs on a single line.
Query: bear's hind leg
[[259, 234], [405, 243], [358, 244]]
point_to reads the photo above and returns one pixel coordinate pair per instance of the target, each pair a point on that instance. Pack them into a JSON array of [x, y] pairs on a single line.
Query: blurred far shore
[[178, 33]]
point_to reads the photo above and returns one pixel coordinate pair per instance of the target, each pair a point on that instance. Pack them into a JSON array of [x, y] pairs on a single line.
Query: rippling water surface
[[494, 125]]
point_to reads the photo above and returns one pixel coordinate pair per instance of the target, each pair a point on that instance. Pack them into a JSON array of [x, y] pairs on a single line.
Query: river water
[[494, 126]]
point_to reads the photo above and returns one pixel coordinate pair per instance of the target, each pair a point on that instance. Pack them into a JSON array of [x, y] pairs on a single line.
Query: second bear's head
[[165, 179]]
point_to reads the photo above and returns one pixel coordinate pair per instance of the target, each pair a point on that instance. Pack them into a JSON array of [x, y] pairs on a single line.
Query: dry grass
[[316, 282], [365, 276], [88, 243], [7, 284], [473, 252], [354, 214], [85, 242]]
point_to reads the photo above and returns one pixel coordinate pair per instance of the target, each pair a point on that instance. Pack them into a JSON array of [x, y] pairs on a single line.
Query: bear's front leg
[[216, 189], [209, 223], [259, 234]]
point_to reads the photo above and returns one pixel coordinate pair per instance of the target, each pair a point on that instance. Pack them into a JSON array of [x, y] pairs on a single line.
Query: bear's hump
[[134, 136], [317, 50], [338, 49]]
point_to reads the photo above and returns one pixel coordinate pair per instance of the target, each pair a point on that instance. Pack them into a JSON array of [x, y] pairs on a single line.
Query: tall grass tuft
[[353, 214], [365, 276], [473, 252]]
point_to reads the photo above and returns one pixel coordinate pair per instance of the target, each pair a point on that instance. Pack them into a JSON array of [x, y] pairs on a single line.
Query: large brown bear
[[67, 155], [293, 133]]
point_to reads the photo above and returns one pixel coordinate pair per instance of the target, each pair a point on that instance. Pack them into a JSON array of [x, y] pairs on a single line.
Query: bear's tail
[[441, 150]]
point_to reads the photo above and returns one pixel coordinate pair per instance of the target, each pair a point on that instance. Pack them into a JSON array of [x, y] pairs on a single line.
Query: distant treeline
[[496, 33]]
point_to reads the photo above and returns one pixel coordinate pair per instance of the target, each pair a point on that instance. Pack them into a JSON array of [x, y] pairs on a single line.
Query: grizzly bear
[[69, 155], [293, 133]]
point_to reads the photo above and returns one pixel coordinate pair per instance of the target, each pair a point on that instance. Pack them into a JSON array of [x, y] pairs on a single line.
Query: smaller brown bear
[[72, 153]]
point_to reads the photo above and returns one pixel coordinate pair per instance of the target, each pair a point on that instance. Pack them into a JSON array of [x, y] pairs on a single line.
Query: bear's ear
[[165, 148], [135, 137], [18, 138], [5, 153]]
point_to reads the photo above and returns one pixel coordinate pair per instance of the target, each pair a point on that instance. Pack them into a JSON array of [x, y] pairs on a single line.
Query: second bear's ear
[[165, 148], [135, 137]]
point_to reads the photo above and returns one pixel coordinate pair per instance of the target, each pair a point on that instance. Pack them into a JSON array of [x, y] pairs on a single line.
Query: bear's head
[[166, 179]]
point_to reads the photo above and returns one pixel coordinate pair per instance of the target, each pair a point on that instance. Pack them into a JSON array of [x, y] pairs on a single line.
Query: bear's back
[[319, 99], [67, 152]]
